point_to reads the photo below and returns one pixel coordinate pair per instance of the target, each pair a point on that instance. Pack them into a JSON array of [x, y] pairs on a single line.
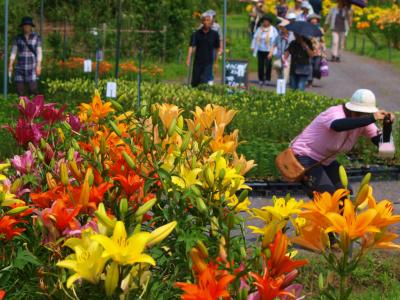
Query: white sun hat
[[363, 100], [291, 16]]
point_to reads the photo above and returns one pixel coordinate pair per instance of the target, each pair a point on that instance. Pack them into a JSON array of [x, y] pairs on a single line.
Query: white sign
[[87, 65], [281, 86], [111, 90]]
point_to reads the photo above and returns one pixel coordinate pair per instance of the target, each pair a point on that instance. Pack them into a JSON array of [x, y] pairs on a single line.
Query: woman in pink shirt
[[336, 131]]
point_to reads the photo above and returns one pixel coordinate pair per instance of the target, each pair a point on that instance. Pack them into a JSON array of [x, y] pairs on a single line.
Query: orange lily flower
[[384, 216], [242, 164], [312, 237], [380, 240], [8, 229], [94, 111], [270, 288], [279, 263], [46, 199], [168, 112], [351, 226], [212, 284], [227, 143], [322, 204], [223, 116], [2, 294]]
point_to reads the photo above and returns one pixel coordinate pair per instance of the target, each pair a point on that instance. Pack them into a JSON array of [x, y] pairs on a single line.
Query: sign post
[[118, 46], [140, 77], [5, 75], [224, 42], [237, 73]]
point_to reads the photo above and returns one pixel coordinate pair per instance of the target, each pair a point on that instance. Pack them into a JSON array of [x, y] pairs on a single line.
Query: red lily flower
[[270, 288], [46, 199], [62, 216], [279, 262], [8, 229], [131, 183], [2, 294], [212, 284]]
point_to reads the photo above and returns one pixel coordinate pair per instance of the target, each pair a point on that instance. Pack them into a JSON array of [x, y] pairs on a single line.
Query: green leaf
[[25, 257]]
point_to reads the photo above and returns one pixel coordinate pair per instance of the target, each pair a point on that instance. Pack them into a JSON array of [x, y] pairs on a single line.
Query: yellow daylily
[[124, 250], [233, 201], [87, 261], [187, 177], [284, 209]]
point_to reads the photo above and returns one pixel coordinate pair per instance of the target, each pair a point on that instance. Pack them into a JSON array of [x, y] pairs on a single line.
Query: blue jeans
[[298, 82]]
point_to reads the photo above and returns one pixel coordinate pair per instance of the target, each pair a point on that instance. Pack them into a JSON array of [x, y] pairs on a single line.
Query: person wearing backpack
[[27, 50]]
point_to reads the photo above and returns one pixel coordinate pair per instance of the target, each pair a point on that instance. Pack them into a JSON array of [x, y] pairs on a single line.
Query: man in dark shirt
[[203, 42]]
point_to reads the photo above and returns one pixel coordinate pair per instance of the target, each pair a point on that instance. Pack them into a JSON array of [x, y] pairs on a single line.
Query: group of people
[[297, 59]]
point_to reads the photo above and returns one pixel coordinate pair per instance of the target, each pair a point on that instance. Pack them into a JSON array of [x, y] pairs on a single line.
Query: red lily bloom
[[270, 288], [46, 199], [8, 229], [212, 284], [62, 216], [131, 183], [279, 262], [2, 294]]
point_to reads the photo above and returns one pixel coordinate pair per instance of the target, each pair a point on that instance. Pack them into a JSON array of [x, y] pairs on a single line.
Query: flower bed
[[152, 205], [267, 122]]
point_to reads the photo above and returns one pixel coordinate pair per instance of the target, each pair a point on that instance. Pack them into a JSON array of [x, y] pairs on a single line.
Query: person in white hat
[[291, 17], [306, 11], [333, 132]]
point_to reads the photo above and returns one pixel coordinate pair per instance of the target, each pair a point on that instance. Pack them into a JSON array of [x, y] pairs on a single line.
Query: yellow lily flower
[[187, 178], [87, 261], [233, 201], [283, 209], [124, 250]]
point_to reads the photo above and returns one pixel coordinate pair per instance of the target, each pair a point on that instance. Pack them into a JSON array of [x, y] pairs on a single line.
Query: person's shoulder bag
[[291, 169], [28, 45]]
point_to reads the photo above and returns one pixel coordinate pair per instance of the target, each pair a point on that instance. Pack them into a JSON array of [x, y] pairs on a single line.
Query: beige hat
[[363, 100]]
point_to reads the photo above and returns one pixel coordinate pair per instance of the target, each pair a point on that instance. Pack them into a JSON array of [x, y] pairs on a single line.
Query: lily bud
[[51, 182], [17, 210], [197, 261], [343, 177], [172, 128], [366, 179], [61, 135], [221, 175], [4, 166], [115, 128], [75, 144], [16, 185], [243, 196], [201, 206], [112, 278], [202, 248], [129, 160], [145, 207], [123, 207], [64, 174], [185, 142], [116, 105], [103, 218], [214, 226], [180, 122], [71, 153], [103, 147], [159, 234], [75, 170], [209, 176]]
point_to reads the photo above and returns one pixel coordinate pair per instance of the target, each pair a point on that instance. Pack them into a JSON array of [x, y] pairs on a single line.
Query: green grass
[[376, 278], [355, 42]]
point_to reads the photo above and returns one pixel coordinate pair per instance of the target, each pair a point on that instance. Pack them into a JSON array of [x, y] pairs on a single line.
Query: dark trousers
[[264, 66], [201, 74], [320, 178], [33, 88]]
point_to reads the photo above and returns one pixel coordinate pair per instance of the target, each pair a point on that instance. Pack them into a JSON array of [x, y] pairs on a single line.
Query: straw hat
[[363, 100]]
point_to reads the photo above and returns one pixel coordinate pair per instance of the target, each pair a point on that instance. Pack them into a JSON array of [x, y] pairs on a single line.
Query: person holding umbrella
[[338, 21], [262, 46], [27, 50], [319, 50], [301, 51]]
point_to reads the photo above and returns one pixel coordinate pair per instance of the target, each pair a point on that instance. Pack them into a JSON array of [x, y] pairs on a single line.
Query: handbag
[[324, 68], [303, 69], [291, 169], [289, 166]]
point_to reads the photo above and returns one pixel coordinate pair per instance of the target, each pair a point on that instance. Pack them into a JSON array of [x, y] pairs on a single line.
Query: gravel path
[[356, 72]]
